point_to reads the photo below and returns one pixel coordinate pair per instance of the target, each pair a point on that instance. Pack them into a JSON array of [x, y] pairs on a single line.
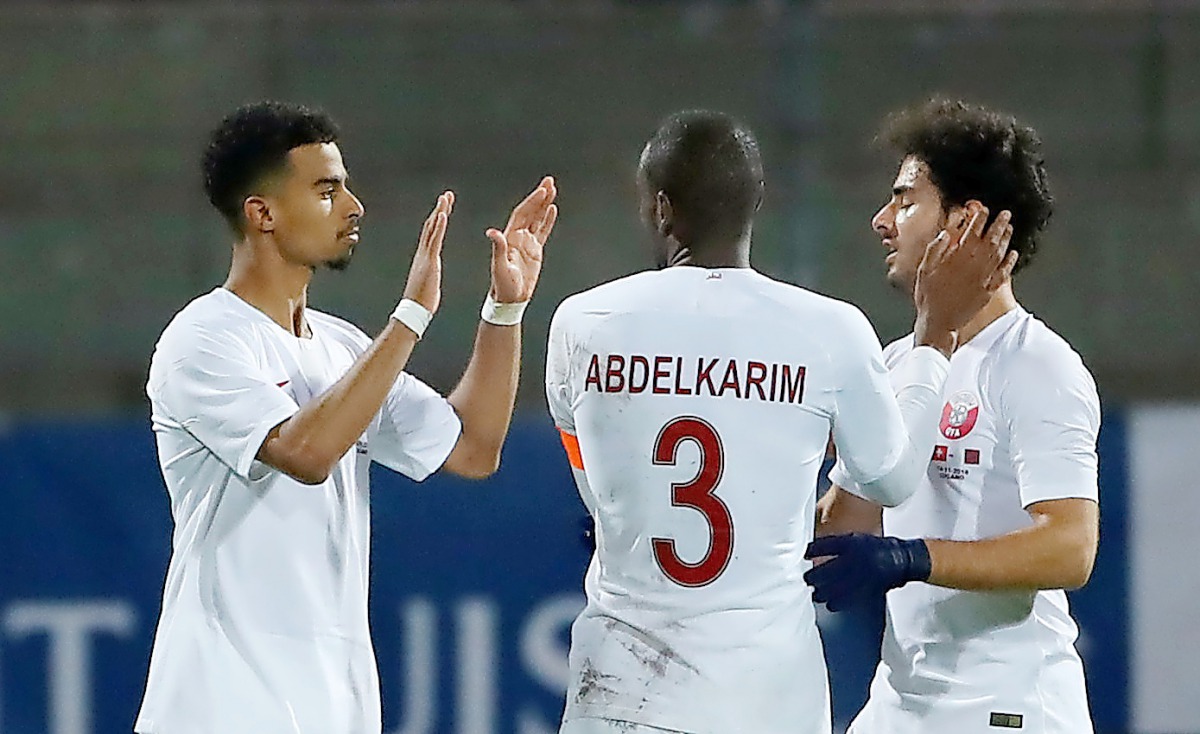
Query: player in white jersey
[[695, 403], [1006, 516], [267, 415]]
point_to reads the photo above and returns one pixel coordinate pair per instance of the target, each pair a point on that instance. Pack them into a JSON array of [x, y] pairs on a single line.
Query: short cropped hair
[[976, 153], [251, 144], [709, 166]]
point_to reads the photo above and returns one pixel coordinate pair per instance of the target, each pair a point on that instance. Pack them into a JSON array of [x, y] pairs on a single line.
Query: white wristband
[[413, 315], [502, 314]]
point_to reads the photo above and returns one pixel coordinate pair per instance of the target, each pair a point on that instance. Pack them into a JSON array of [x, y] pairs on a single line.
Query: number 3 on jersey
[[698, 495]]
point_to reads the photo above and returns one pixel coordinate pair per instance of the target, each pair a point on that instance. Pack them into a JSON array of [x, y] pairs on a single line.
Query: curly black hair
[[709, 166], [253, 143], [976, 153]]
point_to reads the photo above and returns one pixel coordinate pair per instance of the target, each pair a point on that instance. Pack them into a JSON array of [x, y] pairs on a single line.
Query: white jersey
[[696, 406], [264, 615], [1019, 427]]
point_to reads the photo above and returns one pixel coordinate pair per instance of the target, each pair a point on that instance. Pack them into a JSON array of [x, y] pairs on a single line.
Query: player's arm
[[1053, 415], [485, 395], [840, 511], [885, 440], [309, 444], [1056, 552]]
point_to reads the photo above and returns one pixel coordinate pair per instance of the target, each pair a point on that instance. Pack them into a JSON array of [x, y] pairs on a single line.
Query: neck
[[714, 255], [260, 277], [1002, 302]]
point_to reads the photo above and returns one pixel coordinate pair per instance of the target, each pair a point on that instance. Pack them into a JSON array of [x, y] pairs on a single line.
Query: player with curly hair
[[979, 636]]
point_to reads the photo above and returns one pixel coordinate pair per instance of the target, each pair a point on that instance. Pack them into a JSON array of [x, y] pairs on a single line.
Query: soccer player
[[1006, 517], [693, 401], [267, 415]]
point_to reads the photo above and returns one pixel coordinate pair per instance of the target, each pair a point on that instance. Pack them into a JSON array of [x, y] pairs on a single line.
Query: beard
[[339, 264]]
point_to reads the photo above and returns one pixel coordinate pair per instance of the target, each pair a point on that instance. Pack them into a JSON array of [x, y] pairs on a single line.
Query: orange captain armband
[[571, 444]]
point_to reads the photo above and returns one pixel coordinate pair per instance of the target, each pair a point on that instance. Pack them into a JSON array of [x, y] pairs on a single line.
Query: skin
[[952, 275], [1059, 550], [305, 217]]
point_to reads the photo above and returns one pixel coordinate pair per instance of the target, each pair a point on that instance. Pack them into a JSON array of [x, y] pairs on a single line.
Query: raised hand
[[425, 275], [517, 251], [962, 268]]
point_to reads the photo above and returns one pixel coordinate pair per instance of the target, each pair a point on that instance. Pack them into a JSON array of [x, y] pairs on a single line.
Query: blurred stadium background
[[105, 233]]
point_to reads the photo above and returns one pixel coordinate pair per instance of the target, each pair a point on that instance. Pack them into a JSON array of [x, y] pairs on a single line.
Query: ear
[[664, 214], [957, 216], [762, 188], [258, 214]]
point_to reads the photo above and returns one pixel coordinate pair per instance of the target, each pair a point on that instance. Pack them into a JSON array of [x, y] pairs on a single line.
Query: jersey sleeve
[[214, 388], [560, 391], [1053, 414], [885, 421], [418, 428], [892, 354]]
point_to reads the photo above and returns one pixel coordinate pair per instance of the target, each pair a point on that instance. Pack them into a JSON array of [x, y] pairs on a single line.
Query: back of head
[[976, 153], [709, 167], [251, 145]]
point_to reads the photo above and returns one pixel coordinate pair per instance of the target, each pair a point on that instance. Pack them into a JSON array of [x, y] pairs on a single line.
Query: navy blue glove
[[863, 566]]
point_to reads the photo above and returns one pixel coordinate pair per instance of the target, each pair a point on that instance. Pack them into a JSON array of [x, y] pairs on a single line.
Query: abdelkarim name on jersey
[[1019, 427], [696, 407]]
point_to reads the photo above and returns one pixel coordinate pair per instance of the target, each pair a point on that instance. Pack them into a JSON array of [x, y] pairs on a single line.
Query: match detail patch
[[1007, 721]]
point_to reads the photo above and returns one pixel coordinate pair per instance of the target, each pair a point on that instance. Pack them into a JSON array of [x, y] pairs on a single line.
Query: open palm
[[517, 251]]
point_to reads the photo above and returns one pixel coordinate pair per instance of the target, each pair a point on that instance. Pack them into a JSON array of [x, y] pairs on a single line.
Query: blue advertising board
[[474, 586]]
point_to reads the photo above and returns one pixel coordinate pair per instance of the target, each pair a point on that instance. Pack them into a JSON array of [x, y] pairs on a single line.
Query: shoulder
[[610, 295], [210, 321], [1036, 363]]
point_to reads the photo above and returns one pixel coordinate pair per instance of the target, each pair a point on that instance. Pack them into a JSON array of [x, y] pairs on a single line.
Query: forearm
[[840, 512], [918, 380], [484, 399], [309, 444], [1045, 555]]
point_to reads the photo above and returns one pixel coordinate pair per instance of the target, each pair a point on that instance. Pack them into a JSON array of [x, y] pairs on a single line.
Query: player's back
[[702, 402]]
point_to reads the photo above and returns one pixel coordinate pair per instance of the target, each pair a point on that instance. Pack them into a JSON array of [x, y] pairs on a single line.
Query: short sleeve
[[418, 429], [1053, 414], [214, 388], [868, 429], [560, 395]]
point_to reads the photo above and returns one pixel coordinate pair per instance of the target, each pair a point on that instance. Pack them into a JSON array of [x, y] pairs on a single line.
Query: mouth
[[352, 235]]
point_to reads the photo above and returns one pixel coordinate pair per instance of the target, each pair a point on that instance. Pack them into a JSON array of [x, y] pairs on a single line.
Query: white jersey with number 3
[[696, 406]]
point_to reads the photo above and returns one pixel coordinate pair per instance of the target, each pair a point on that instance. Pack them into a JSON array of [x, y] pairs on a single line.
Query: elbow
[[300, 463], [479, 472], [1080, 570], [473, 462], [887, 492], [1077, 560]]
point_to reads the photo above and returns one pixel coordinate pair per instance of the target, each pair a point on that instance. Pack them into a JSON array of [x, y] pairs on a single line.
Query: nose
[[884, 220], [357, 209]]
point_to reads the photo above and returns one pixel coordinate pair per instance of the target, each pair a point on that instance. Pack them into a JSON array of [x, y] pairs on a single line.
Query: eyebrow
[[330, 181]]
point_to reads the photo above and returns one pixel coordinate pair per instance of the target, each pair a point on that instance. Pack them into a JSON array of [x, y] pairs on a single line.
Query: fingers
[[532, 207], [499, 243], [975, 224], [1003, 273], [544, 227], [1000, 232], [936, 250], [830, 545], [440, 214]]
